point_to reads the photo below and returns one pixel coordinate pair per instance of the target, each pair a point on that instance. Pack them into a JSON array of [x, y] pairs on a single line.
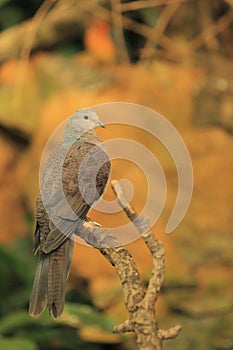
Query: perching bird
[[75, 176]]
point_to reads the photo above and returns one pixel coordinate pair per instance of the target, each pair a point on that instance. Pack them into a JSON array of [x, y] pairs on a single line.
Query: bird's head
[[80, 122], [85, 119]]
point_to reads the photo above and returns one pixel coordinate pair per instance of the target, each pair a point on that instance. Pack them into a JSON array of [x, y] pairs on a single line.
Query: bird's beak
[[100, 124]]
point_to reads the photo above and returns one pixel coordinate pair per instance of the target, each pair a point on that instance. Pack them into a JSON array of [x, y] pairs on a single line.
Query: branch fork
[[139, 303]]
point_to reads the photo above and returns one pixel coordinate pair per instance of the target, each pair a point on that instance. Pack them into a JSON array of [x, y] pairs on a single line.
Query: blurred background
[[174, 56]]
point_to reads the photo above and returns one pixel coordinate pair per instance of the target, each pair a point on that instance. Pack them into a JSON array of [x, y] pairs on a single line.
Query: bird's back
[[74, 179]]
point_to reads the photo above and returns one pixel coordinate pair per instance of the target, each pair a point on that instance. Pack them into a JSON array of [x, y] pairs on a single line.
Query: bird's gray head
[[80, 122]]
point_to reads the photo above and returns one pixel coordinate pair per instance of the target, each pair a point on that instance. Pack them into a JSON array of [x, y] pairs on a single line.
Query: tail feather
[[39, 295], [58, 273], [50, 281]]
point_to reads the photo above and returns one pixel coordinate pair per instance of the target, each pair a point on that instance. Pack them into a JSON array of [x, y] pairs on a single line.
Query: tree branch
[[212, 30], [118, 31], [47, 28], [142, 4], [140, 305], [158, 31]]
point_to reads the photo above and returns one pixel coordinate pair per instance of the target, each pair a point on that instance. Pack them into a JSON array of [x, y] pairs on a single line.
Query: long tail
[[50, 280]]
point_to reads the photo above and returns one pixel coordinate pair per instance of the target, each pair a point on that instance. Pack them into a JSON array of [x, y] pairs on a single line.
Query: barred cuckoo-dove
[[75, 176]]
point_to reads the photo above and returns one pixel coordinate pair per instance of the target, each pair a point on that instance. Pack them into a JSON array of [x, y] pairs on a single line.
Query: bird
[[75, 176]]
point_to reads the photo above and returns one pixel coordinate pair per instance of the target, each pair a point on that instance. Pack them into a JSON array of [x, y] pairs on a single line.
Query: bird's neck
[[68, 141], [71, 136]]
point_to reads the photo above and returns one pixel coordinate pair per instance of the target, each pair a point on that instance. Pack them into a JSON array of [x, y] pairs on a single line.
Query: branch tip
[[123, 327], [170, 333]]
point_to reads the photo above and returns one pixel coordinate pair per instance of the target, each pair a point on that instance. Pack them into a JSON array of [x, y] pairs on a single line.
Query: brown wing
[[85, 174]]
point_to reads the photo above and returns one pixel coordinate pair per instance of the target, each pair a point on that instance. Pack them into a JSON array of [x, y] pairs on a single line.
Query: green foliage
[[86, 315], [9, 16], [17, 343], [20, 319], [3, 2], [15, 11], [16, 270], [19, 331], [150, 16]]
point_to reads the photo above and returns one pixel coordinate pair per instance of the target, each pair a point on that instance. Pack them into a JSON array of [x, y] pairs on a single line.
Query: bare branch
[[212, 30], [120, 258], [170, 333], [141, 4], [159, 29], [117, 22], [25, 50], [174, 50], [59, 23], [140, 305], [229, 2], [123, 327]]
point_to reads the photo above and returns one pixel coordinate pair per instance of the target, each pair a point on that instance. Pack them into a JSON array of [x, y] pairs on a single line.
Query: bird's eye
[[85, 116]]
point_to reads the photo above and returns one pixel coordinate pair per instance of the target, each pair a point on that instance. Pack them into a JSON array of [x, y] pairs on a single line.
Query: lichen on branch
[[140, 303]]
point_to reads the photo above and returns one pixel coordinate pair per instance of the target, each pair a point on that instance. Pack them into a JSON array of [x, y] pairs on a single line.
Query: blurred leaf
[[97, 335], [3, 276], [17, 343], [22, 253], [71, 73], [3, 2], [204, 307], [18, 262], [19, 98], [17, 266], [16, 300], [176, 279], [85, 315], [150, 16], [57, 337], [99, 42], [93, 325], [79, 291], [43, 330], [13, 321], [9, 15]]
